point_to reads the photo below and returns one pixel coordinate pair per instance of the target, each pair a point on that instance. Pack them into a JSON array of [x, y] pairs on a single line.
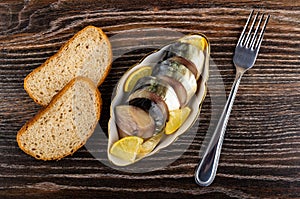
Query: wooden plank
[[260, 156]]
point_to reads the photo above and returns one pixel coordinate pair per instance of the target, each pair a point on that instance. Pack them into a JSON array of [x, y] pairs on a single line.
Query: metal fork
[[244, 58]]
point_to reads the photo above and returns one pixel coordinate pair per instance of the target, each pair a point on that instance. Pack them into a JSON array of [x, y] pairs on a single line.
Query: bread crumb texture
[[65, 125], [87, 54]]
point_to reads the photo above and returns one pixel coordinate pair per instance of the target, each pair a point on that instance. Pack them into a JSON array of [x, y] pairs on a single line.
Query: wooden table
[[260, 156]]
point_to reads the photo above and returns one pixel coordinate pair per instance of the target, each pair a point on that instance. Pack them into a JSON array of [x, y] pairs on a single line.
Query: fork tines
[[253, 39]]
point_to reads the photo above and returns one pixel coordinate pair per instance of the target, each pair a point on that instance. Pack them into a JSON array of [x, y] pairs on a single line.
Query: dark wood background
[[260, 156]]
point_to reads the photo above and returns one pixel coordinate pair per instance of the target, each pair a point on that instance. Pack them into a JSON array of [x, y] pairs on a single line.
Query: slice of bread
[[88, 54], [65, 124]]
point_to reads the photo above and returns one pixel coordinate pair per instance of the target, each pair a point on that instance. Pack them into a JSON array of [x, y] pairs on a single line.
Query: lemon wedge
[[176, 119], [127, 148], [149, 145], [200, 43], [135, 76]]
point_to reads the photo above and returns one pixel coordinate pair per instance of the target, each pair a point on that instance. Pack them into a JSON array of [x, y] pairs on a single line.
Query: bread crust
[[101, 80], [46, 109]]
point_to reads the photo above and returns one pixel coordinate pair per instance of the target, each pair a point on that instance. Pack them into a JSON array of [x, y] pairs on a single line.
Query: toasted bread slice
[[87, 54], [65, 124]]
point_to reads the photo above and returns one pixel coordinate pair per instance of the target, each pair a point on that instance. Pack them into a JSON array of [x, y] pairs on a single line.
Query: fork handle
[[207, 168]]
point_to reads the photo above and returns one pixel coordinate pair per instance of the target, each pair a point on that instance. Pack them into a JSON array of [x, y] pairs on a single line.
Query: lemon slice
[[149, 145], [176, 119], [199, 43], [127, 148], [135, 76]]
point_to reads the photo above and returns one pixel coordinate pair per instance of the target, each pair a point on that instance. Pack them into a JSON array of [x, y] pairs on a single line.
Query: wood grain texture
[[260, 156]]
